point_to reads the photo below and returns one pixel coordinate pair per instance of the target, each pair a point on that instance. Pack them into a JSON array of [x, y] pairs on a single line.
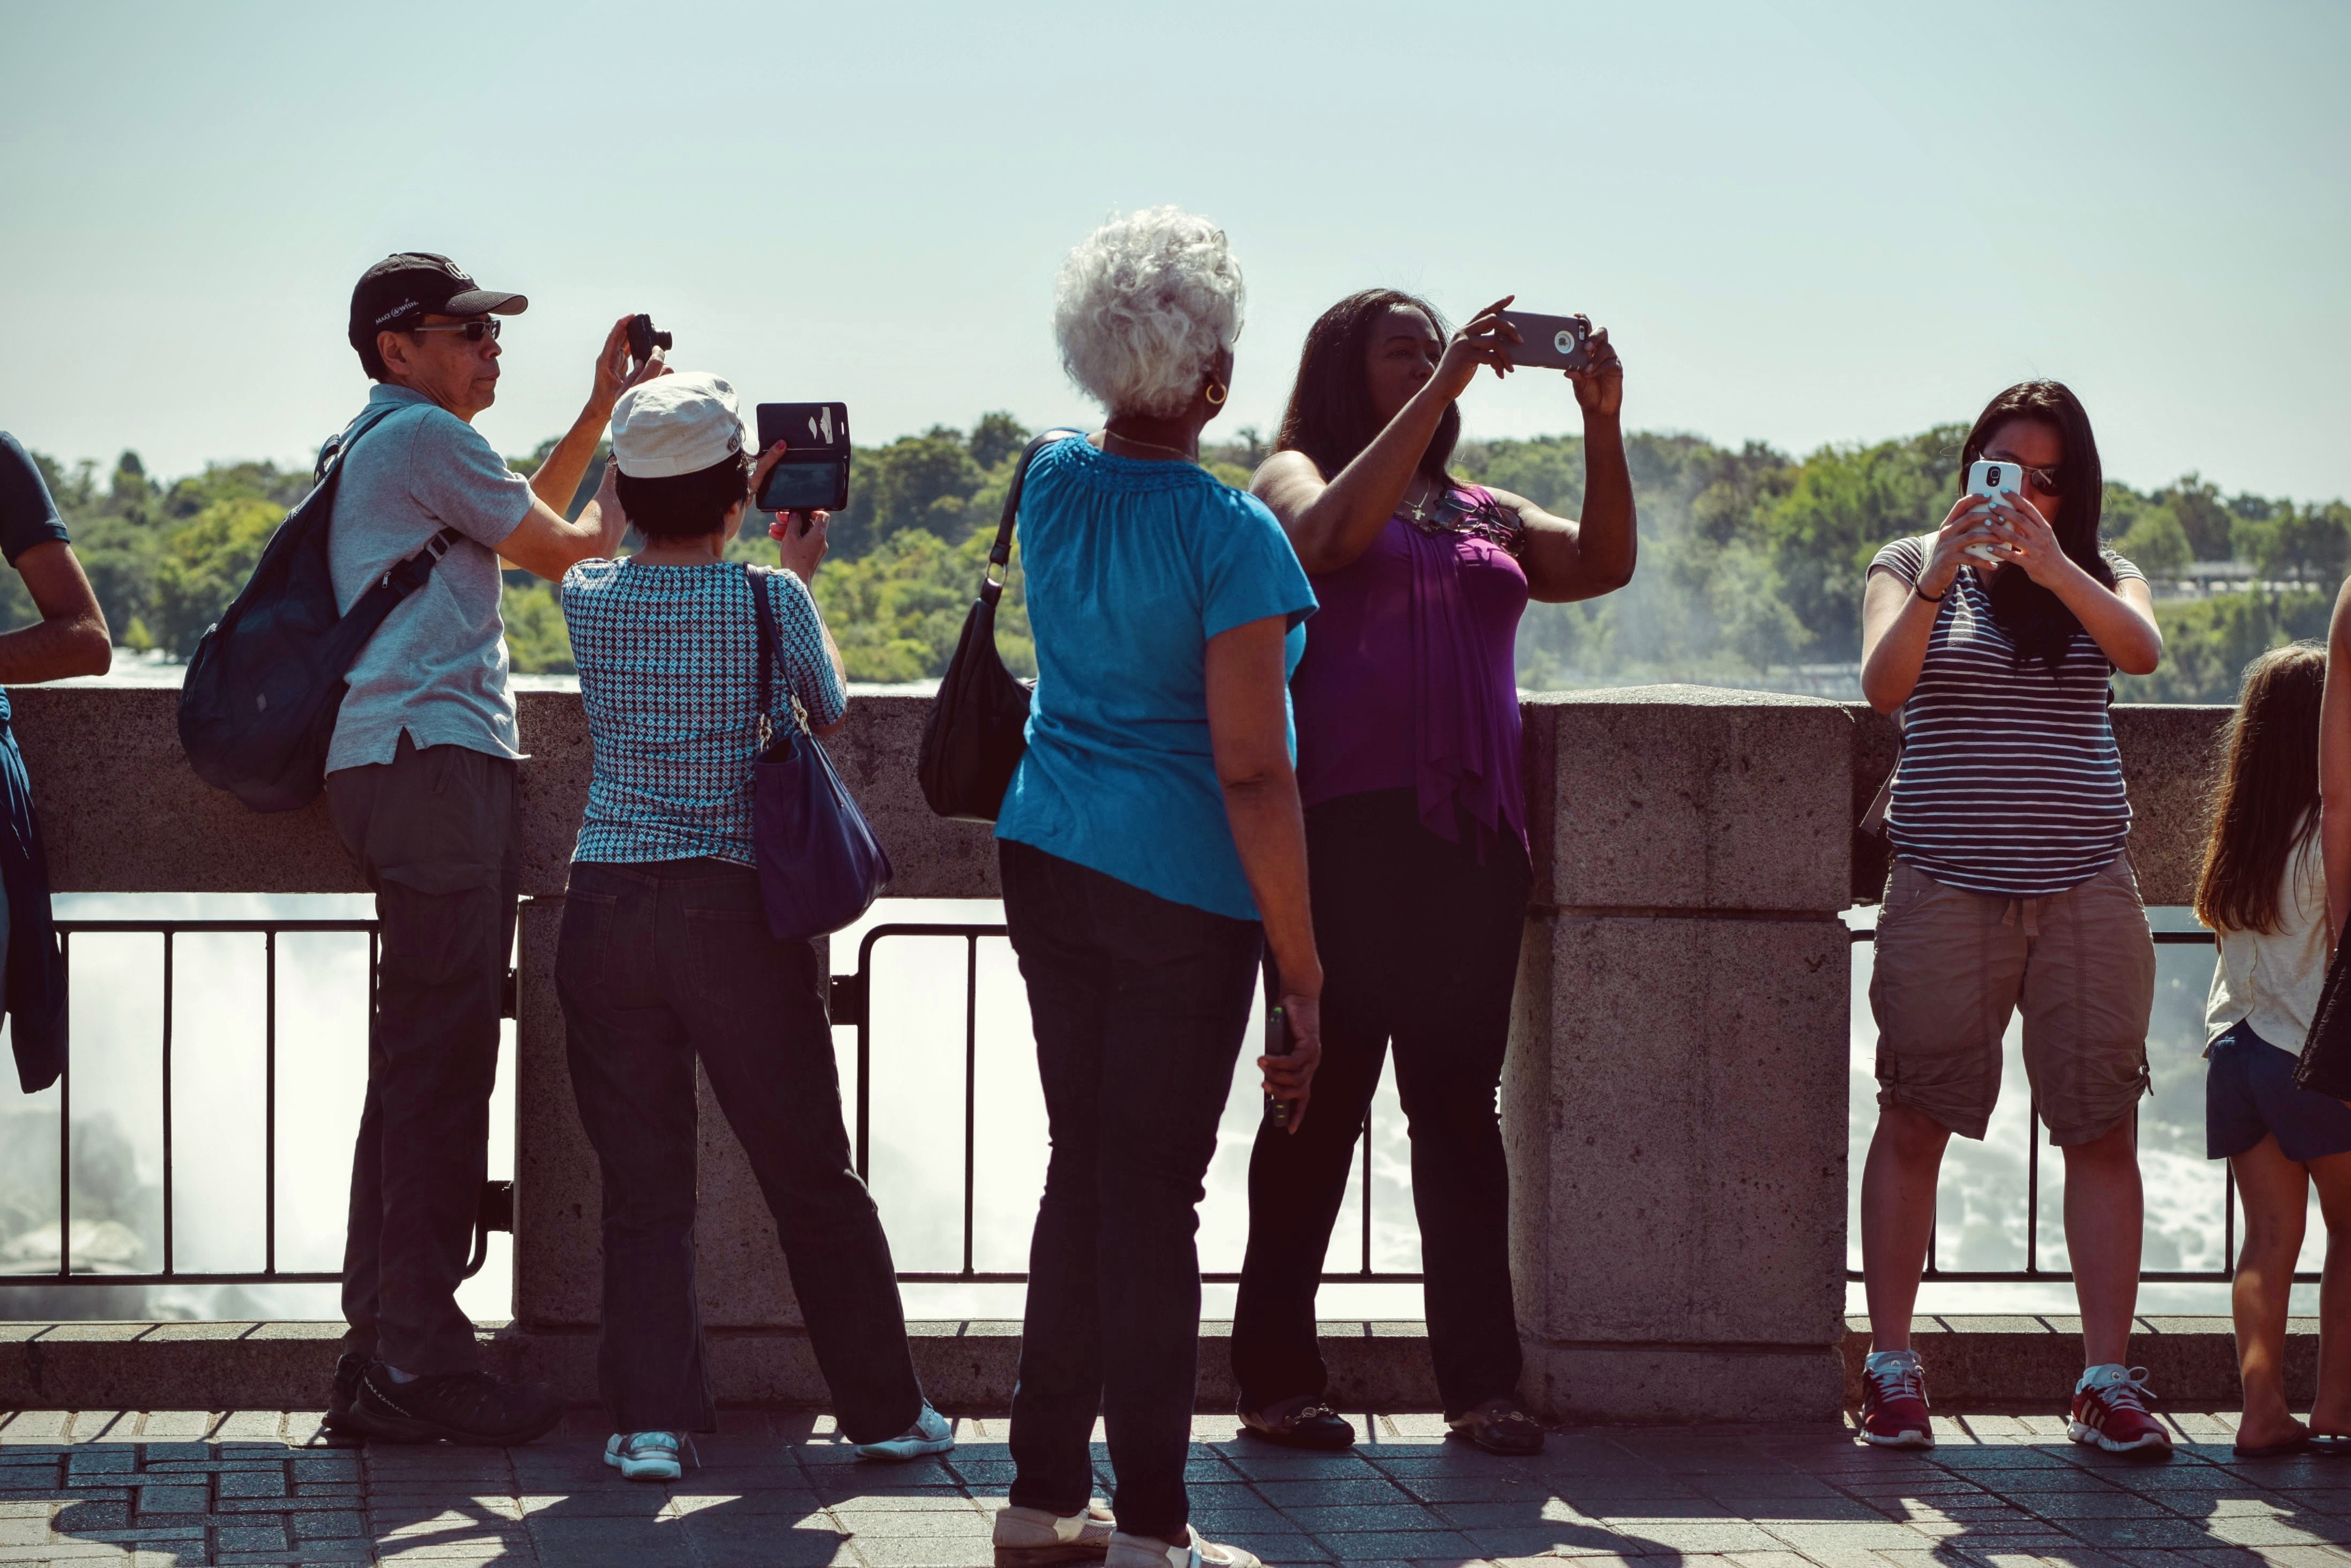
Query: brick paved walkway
[[175, 1488]]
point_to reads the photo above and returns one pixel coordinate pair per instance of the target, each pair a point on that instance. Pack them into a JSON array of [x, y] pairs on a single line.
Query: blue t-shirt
[[1132, 567]]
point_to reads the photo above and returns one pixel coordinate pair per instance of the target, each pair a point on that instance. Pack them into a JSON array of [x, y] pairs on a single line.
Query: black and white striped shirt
[[2009, 782]]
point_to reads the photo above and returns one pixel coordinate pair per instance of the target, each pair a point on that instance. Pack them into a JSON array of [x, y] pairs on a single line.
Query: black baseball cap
[[400, 291]]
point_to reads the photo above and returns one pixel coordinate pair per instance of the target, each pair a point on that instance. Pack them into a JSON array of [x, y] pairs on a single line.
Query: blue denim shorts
[[2248, 1091]]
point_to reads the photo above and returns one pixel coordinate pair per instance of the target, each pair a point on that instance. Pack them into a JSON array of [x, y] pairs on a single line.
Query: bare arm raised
[[547, 543], [1331, 522], [1568, 558]]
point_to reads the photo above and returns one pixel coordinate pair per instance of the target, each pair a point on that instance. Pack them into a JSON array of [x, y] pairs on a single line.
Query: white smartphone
[[1986, 476]]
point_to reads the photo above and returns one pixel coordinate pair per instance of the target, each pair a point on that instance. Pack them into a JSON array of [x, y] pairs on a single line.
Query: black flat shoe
[[1499, 1427], [2301, 1445], [336, 1423], [465, 1408], [1303, 1422]]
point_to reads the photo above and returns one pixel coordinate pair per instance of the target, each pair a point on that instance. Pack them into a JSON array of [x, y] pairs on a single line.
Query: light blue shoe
[[931, 1433], [643, 1456]]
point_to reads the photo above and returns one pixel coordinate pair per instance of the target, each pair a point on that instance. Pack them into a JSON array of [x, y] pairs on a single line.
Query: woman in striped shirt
[[1994, 638]]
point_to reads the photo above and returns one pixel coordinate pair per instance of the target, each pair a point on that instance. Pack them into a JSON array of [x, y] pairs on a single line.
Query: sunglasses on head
[[474, 331]]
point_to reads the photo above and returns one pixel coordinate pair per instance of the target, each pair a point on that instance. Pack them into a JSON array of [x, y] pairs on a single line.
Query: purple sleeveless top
[[1410, 678]]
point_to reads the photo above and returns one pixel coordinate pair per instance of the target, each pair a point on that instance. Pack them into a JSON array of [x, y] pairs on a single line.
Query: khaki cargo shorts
[[1951, 966]]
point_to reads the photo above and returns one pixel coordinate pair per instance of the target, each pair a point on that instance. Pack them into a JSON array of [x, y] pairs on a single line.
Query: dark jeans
[[434, 831], [660, 963], [1139, 1005], [1420, 946]]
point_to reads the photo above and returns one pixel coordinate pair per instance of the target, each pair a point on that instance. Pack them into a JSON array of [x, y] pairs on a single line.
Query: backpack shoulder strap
[[331, 453]]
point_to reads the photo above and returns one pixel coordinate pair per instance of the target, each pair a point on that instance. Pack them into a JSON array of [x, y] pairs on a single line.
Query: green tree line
[[1752, 560]]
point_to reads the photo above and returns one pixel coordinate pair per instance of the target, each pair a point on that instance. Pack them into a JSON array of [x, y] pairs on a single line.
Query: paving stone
[[870, 1527], [926, 1552], [92, 1514], [2112, 1532], [755, 1543], [252, 1536], [1884, 1536], [328, 1526], [2106, 1503], [108, 1459], [1330, 1494], [1466, 1487]]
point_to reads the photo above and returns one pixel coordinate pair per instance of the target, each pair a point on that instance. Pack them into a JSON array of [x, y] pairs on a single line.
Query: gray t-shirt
[[437, 666]]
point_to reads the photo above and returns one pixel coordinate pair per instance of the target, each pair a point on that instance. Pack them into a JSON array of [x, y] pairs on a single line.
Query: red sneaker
[[1894, 1401], [2110, 1411]]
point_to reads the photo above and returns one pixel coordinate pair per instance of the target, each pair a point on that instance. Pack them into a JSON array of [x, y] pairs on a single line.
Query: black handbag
[[977, 728], [2325, 1064], [821, 868]]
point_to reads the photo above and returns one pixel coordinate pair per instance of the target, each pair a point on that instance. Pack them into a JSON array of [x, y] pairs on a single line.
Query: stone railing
[[1675, 1103]]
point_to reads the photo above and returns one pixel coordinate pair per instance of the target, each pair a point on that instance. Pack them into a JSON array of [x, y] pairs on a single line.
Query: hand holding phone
[[1279, 1041], [1550, 342], [1998, 480], [813, 472], [1293, 1049]]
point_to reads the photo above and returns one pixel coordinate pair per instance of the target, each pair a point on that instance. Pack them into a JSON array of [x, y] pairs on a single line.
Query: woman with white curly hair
[[1153, 850]]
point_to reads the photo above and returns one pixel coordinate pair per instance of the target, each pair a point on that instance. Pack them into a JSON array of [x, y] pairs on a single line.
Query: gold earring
[[1215, 393]]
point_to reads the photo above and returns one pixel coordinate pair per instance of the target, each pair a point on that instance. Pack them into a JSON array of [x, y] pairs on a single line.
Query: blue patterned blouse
[[669, 672]]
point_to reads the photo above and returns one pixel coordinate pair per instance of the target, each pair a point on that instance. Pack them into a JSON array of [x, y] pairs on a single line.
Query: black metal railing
[[850, 999], [496, 1207], [2032, 1271], [851, 1005]]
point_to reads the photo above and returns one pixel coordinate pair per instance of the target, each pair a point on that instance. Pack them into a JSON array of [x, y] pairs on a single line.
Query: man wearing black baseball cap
[[421, 783]]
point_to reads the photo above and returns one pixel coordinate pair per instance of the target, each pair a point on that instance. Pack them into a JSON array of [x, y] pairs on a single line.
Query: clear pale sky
[[1807, 222]]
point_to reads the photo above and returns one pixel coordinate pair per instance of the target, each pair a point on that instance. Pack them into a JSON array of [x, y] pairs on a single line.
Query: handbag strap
[[999, 555], [768, 655]]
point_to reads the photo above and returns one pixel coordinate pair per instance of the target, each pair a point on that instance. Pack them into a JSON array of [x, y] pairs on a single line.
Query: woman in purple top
[[1407, 711]]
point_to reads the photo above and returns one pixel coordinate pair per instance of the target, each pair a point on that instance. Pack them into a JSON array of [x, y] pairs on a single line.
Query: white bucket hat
[[673, 424]]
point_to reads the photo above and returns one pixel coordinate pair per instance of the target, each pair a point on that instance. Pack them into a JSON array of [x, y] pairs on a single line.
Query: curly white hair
[[1141, 307]]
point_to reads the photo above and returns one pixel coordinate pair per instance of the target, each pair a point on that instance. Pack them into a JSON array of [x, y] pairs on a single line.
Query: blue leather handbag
[[821, 867]]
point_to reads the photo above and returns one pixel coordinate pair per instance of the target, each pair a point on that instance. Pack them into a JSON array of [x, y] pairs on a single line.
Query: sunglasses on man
[[474, 331]]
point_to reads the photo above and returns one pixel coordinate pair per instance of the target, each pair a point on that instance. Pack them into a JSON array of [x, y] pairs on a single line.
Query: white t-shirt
[[2272, 980]]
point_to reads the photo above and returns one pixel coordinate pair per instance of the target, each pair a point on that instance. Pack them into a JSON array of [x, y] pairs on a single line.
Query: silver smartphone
[[1992, 476], [1550, 342]]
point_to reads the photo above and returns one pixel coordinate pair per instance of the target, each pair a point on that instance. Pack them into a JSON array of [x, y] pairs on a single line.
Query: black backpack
[[258, 706]]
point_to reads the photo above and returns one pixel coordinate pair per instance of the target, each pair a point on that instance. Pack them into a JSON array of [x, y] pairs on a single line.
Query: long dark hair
[[2035, 619], [2265, 798], [1330, 418]]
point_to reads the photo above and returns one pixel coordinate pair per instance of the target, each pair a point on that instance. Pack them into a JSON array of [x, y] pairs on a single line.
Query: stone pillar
[[1674, 1101]]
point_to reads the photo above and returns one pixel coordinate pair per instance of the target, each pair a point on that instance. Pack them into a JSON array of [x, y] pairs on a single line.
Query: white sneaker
[[931, 1433], [1146, 1552], [1038, 1538], [643, 1456]]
